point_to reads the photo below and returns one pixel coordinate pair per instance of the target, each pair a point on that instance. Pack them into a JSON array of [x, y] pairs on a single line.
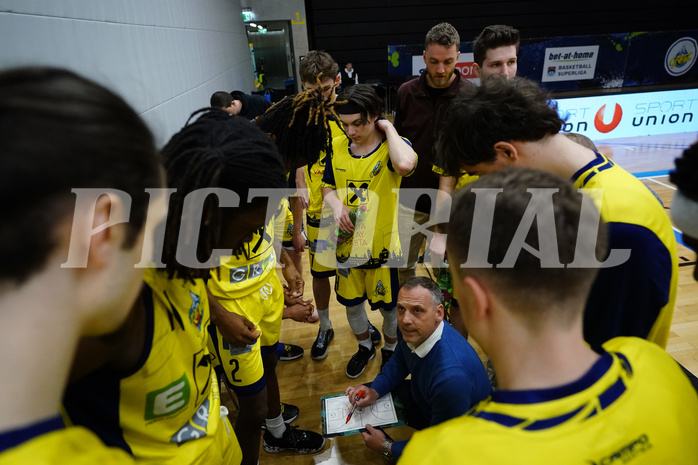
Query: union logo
[[603, 127]]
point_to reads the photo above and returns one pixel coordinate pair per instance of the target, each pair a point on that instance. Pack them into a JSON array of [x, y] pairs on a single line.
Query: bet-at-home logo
[[168, 400]]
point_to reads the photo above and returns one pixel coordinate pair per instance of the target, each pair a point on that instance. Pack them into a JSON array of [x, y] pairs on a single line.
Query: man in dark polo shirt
[[421, 104]]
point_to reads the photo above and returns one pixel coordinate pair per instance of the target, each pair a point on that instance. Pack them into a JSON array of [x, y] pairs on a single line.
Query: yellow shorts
[[316, 269], [379, 286], [243, 368]]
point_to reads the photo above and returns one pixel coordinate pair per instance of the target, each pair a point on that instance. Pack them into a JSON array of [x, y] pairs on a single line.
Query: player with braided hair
[[153, 382], [319, 76], [245, 287], [300, 126]]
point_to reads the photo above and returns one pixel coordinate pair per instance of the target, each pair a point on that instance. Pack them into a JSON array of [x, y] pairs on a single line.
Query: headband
[[349, 108]]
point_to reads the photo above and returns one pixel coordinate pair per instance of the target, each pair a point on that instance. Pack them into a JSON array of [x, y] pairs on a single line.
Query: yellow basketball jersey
[[463, 180], [241, 275], [168, 410], [74, 445], [636, 298], [368, 181], [313, 176], [634, 406]]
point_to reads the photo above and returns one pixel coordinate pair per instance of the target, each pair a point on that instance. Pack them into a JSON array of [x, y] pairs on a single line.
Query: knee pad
[[389, 322], [356, 316]]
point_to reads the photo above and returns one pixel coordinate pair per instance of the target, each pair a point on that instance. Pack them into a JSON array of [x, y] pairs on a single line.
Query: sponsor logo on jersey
[[626, 453], [195, 311], [681, 56], [265, 291], [253, 270], [168, 400], [376, 169], [196, 427], [380, 289]]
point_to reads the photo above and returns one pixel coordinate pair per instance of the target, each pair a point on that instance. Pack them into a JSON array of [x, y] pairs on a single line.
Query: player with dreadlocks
[[300, 126], [246, 284], [319, 76], [150, 388]]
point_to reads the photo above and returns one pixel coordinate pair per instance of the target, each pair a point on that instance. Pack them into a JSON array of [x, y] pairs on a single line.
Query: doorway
[[271, 46]]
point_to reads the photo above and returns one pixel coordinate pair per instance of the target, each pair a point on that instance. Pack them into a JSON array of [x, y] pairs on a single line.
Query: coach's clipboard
[[335, 409]]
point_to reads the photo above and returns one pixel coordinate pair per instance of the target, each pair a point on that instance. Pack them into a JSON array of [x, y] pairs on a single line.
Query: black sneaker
[[321, 344], [288, 413], [299, 440], [375, 334], [286, 352], [385, 356], [358, 361]]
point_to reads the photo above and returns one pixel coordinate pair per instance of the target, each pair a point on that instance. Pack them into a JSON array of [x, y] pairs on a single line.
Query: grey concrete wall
[[165, 57]]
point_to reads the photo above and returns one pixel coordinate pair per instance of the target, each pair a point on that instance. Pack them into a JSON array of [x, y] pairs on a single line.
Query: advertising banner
[[631, 115], [464, 65], [570, 63], [662, 58]]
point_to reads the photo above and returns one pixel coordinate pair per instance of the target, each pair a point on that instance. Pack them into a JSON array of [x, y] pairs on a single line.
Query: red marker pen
[[359, 395]]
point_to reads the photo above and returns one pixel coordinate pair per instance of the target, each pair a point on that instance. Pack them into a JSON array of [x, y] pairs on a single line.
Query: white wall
[[284, 10], [165, 57]]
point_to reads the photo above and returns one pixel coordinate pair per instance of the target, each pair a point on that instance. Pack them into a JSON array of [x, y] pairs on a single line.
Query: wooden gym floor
[[304, 381]]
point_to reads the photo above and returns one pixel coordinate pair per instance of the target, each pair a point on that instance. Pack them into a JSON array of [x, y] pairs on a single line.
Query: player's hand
[[299, 312], [374, 438], [298, 240], [369, 397], [341, 216], [304, 197], [437, 246], [291, 299], [236, 329], [296, 285], [384, 125]]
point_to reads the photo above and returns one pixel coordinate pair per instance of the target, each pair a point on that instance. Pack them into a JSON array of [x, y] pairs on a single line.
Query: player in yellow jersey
[[510, 122], [365, 172], [150, 388], [67, 253], [522, 289], [247, 284], [319, 71]]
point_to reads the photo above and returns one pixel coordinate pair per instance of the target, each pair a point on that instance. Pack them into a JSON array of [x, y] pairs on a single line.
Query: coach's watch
[[386, 448]]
